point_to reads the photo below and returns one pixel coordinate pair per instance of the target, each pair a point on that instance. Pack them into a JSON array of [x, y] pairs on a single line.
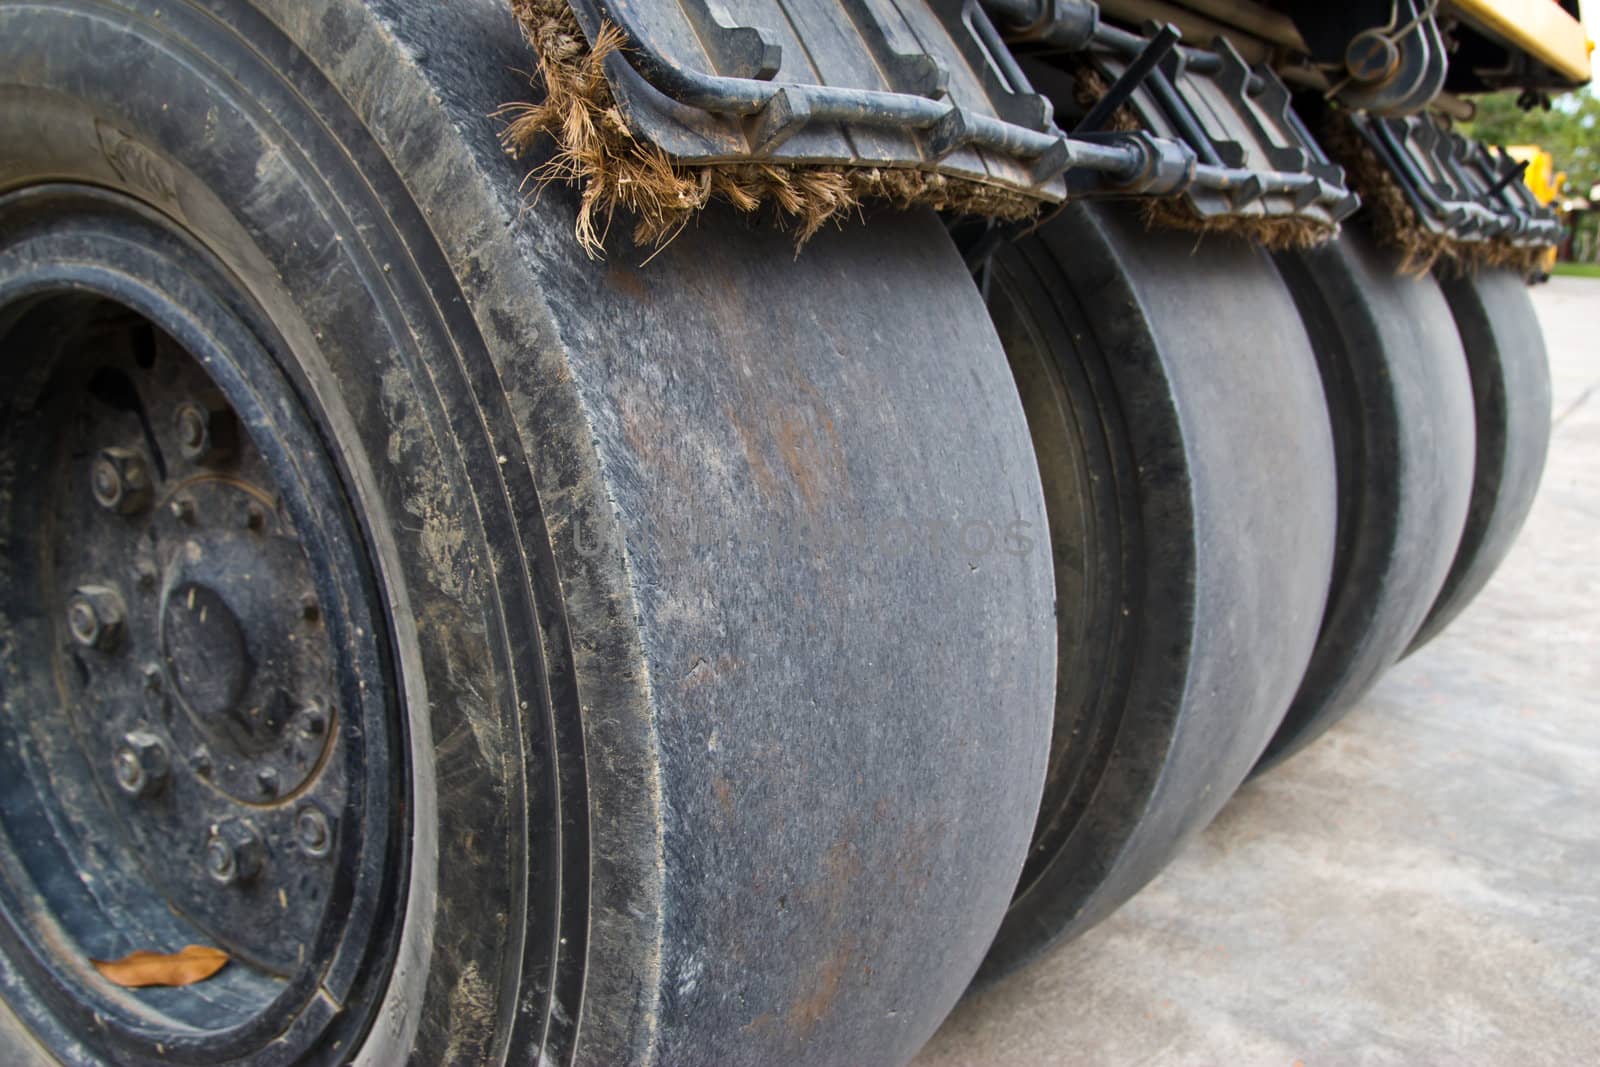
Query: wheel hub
[[244, 655], [202, 692], [196, 722]]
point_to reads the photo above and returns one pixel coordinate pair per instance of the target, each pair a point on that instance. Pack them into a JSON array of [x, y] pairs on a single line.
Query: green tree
[[1569, 131]]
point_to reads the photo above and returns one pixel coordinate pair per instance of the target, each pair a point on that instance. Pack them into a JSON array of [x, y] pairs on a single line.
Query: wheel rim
[[198, 743]]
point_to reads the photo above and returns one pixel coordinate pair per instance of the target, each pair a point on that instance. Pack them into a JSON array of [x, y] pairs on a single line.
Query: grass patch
[[1577, 270]]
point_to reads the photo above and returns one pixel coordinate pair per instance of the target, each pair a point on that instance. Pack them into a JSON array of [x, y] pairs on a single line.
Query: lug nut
[[120, 480], [205, 434], [141, 764], [267, 782], [313, 720], [94, 617], [200, 760], [182, 508], [234, 852], [193, 429], [312, 828]]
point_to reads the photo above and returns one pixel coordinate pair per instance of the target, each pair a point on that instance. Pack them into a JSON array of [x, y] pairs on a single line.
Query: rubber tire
[[1188, 470], [1401, 406], [703, 767], [1511, 397]]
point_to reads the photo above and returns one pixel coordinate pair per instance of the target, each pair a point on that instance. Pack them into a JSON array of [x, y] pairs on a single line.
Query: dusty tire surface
[[1188, 472], [707, 632], [1400, 401], [1511, 399]]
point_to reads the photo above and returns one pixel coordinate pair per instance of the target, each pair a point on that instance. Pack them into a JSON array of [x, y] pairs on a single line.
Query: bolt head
[[183, 509], [220, 861], [191, 424], [141, 764], [206, 433], [314, 830], [95, 615], [313, 720], [234, 853], [107, 485], [82, 622], [267, 782], [1371, 57], [120, 480]]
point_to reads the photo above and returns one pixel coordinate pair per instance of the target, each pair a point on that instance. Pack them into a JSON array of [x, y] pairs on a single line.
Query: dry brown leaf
[[195, 963]]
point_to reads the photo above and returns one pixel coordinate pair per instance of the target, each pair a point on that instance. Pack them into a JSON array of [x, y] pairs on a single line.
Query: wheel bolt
[[141, 764], [205, 434], [267, 782], [120, 480], [183, 508], [94, 617], [313, 720], [192, 430], [234, 853], [311, 827]]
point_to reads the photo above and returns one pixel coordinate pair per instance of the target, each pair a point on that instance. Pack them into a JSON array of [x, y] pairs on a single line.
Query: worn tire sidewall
[[360, 296]]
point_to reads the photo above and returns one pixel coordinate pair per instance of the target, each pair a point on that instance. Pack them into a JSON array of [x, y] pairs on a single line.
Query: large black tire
[[1401, 406], [1511, 396], [683, 619], [1188, 472]]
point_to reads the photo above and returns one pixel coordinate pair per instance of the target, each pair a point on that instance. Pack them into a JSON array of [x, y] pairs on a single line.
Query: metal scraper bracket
[[933, 85], [1256, 157], [1459, 189]]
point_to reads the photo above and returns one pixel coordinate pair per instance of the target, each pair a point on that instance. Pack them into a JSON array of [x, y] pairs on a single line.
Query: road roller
[[680, 532]]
